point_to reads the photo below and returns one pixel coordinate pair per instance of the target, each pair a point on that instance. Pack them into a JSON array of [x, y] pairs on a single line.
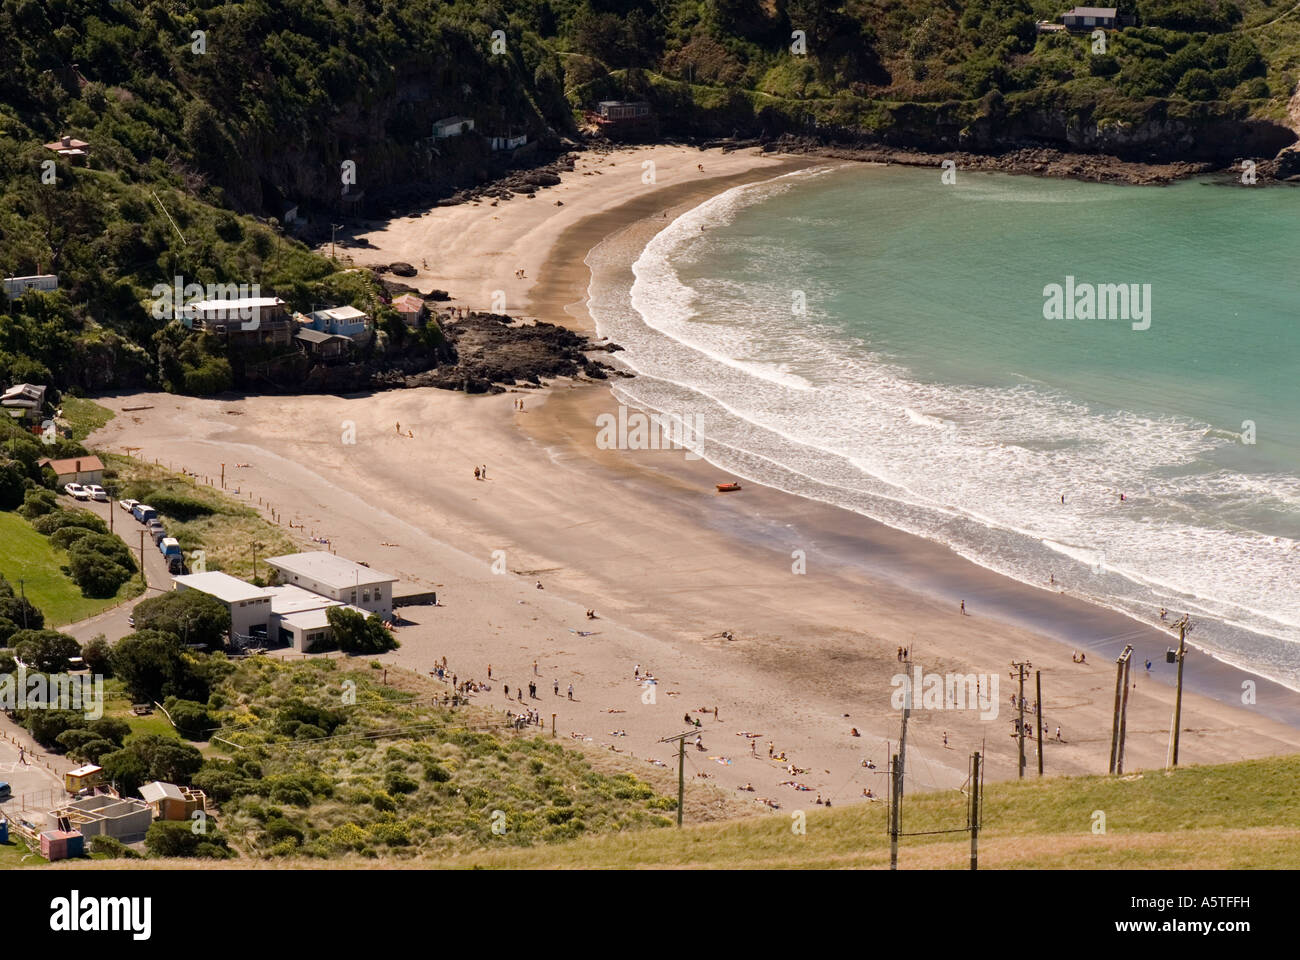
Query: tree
[[47, 651], [12, 487], [96, 652], [151, 664], [356, 634], [189, 615]]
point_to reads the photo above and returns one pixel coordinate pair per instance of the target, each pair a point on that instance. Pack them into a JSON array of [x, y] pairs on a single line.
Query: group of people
[[903, 654], [526, 718], [519, 403], [480, 473]]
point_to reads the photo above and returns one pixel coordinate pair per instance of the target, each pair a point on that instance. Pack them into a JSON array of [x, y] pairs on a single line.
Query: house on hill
[[242, 320], [323, 346], [15, 287], [25, 402], [1090, 18], [451, 127], [345, 321], [69, 147], [410, 308]]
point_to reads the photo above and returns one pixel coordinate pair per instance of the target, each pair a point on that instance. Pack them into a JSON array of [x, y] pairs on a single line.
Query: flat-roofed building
[[15, 287], [337, 578], [249, 606]]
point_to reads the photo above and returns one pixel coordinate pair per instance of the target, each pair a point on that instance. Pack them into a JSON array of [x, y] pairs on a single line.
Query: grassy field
[[1243, 815], [26, 555], [223, 528], [83, 417]]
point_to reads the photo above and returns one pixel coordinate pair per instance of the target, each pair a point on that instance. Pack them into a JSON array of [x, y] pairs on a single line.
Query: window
[[354, 597], [365, 595]]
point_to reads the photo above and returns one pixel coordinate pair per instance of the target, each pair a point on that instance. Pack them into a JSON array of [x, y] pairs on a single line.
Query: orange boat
[[728, 487]]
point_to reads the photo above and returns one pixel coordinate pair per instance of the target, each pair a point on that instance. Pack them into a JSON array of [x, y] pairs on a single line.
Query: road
[[114, 623]]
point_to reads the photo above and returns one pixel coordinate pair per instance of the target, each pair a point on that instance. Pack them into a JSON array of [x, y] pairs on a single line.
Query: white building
[[299, 617], [451, 127], [15, 287], [339, 579], [249, 606]]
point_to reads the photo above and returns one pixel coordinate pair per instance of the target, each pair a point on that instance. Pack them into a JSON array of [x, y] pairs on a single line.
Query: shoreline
[[671, 567]]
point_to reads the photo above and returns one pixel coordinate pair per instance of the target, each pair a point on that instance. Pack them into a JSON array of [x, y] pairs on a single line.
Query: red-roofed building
[[69, 147], [410, 308], [83, 470]]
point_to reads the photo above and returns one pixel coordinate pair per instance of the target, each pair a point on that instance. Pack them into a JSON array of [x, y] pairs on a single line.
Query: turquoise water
[[875, 338]]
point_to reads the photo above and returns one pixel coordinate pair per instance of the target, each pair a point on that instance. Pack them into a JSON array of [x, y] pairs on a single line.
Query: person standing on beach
[[963, 608], [753, 748], [771, 748], [557, 686], [570, 691]]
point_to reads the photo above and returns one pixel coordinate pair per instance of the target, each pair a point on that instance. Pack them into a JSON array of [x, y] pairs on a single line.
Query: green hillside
[[208, 120]]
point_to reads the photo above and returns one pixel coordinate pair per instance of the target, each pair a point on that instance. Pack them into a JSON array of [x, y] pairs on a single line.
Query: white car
[[96, 492], [127, 504], [77, 490]]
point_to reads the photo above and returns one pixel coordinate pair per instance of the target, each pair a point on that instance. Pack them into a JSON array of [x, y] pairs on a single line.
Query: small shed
[[1087, 18], [61, 844], [79, 779], [326, 346], [170, 802]]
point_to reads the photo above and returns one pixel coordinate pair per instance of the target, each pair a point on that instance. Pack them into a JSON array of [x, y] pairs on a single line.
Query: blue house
[[341, 321]]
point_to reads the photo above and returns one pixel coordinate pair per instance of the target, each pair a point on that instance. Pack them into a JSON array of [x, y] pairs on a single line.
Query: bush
[[192, 720], [67, 536], [356, 634], [96, 575], [188, 615], [175, 839], [178, 505], [395, 782], [68, 517], [96, 652], [37, 503], [112, 847]]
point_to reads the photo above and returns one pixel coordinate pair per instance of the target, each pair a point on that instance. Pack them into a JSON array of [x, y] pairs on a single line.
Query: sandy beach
[[784, 614]]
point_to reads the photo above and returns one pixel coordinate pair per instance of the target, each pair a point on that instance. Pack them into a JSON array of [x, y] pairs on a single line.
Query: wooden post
[[1123, 718], [552, 724], [1020, 706], [1178, 695], [143, 576], [681, 778], [975, 809], [1038, 711], [223, 476], [894, 803], [1114, 714]]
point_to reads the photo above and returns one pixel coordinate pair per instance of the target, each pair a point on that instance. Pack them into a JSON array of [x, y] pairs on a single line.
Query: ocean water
[[874, 338]]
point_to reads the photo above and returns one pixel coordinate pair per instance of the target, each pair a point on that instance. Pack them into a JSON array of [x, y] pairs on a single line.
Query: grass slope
[[26, 555], [1242, 815]]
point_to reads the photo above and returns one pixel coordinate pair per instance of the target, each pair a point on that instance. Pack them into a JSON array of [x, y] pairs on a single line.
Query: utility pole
[[1178, 695], [255, 546], [897, 768], [1117, 726], [681, 769], [144, 577], [1038, 715], [22, 589], [975, 811], [1022, 666]]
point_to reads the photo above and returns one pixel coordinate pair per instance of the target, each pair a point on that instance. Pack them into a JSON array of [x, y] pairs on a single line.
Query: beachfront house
[[81, 470], [346, 321], [623, 111], [15, 287], [25, 402], [337, 578], [509, 142], [325, 347], [1090, 18], [69, 147], [249, 606], [451, 127], [242, 320], [410, 308]]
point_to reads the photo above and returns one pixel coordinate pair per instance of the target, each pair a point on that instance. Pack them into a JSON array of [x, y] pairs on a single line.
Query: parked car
[[5, 792], [143, 512], [175, 564], [158, 532], [76, 490], [97, 492], [127, 505]]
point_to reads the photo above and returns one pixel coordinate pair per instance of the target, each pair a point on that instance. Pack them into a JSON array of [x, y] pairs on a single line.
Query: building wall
[[377, 598], [246, 614]]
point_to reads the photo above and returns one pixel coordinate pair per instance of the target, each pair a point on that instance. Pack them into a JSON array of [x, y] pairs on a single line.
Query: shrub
[[395, 782], [178, 505], [112, 847], [65, 517], [168, 838], [97, 576], [47, 651]]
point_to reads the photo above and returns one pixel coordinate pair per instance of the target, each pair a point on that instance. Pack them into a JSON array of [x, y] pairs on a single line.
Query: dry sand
[[667, 563]]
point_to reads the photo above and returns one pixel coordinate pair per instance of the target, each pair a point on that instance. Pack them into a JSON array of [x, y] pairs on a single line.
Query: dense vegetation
[[207, 120]]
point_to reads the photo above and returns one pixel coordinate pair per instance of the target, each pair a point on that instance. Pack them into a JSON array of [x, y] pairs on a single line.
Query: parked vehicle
[[6, 793], [97, 492], [143, 512], [157, 531], [169, 546], [76, 490], [127, 505], [176, 564]]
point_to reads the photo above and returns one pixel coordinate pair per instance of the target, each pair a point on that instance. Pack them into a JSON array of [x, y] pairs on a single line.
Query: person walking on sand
[[536, 672], [476, 476], [398, 428], [753, 748], [570, 691], [22, 756], [1058, 735], [557, 686], [484, 469], [963, 608]]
